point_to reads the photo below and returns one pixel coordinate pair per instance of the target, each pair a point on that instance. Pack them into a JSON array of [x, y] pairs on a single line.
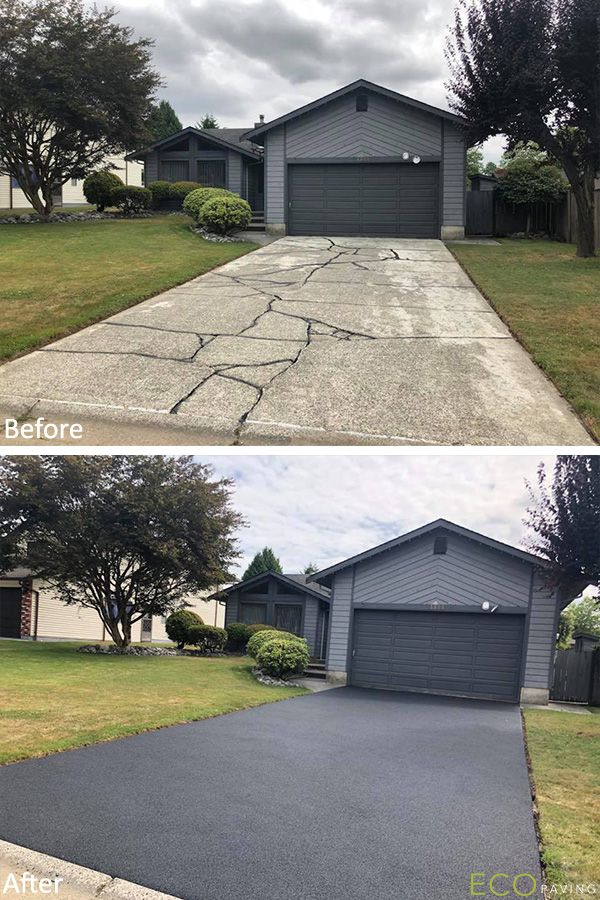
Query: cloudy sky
[[239, 58], [323, 509]]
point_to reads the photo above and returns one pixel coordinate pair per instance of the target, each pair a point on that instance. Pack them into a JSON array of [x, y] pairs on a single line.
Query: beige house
[[71, 193], [31, 611]]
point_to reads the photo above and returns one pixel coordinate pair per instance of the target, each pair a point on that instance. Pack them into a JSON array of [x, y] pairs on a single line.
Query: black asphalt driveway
[[343, 795]]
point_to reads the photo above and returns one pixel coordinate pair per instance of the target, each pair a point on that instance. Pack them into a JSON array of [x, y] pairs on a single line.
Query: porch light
[[416, 160], [405, 155]]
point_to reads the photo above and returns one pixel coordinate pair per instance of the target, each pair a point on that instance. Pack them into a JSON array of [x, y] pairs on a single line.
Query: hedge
[[262, 637], [99, 188], [225, 213], [208, 638], [283, 658], [178, 626]]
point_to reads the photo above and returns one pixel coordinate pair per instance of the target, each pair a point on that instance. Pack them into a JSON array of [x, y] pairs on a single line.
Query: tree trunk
[[583, 192], [122, 638]]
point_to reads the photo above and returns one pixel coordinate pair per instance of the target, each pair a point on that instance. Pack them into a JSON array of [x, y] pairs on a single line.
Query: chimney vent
[[261, 121]]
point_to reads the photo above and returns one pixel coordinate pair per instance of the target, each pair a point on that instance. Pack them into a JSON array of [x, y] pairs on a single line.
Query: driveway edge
[[77, 881]]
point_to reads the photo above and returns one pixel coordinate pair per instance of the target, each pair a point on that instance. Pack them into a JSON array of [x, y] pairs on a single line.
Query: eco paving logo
[[524, 884]]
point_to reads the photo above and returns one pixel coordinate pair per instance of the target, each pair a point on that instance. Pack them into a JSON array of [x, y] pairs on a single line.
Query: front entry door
[[288, 618]]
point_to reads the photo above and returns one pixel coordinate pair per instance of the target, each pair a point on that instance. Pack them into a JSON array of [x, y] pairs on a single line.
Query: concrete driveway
[[346, 340], [346, 794]]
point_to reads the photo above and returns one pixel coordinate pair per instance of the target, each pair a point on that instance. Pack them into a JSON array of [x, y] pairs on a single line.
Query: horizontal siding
[[275, 176], [542, 635], [57, 620], [387, 128], [231, 609], [339, 621], [311, 616], [234, 172], [151, 168], [454, 176], [4, 192], [466, 575]]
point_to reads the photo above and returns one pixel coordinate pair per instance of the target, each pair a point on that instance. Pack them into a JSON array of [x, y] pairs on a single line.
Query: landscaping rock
[[57, 218], [141, 651], [203, 232], [268, 679]]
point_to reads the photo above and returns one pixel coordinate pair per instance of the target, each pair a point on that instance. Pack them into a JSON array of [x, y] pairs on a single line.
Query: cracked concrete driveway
[[326, 340]]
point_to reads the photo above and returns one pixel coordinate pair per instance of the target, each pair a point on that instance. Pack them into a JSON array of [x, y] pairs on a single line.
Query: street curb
[[97, 884]]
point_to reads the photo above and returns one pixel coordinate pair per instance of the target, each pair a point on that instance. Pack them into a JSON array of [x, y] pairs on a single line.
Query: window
[[211, 173], [174, 170], [253, 613], [288, 618], [362, 102]]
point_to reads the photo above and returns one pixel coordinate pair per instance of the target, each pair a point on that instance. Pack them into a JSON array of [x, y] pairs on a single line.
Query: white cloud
[[326, 508], [245, 57]]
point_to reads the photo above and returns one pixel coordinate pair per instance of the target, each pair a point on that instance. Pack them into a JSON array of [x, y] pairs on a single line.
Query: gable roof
[[324, 576], [255, 133], [295, 581], [220, 137]]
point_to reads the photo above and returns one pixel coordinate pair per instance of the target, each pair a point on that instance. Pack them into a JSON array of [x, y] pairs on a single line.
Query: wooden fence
[[488, 215], [577, 677]]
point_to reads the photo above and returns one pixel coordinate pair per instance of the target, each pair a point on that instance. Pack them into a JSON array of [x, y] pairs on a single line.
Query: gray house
[[443, 610], [363, 160], [288, 602]]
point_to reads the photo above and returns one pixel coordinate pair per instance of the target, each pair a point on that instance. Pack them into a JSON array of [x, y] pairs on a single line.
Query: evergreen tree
[[208, 121], [264, 561], [564, 518], [310, 569], [163, 121]]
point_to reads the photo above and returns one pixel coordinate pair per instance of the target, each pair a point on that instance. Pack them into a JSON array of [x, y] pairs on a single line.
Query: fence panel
[[480, 212], [573, 675]]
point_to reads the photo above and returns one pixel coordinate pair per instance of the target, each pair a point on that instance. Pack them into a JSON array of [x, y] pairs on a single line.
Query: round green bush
[[132, 199], [283, 658], [160, 190], [208, 638], [259, 639], [195, 200], [258, 627], [238, 635], [225, 213], [99, 188], [180, 189], [178, 626]]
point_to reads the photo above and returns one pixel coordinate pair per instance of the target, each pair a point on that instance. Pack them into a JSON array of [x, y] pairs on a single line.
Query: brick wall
[[26, 607]]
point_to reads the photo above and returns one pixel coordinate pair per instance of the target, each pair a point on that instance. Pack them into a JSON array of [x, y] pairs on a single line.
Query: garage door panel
[[374, 198], [467, 654]]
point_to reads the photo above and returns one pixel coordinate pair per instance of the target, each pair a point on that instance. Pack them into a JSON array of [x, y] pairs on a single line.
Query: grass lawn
[[52, 698], [565, 756], [55, 279], [550, 300]]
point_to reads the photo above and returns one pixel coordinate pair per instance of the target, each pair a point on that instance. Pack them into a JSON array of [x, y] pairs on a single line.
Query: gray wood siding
[[542, 635], [234, 172], [231, 609], [454, 176], [151, 168], [275, 176], [466, 575], [311, 615], [339, 621], [387, 128]]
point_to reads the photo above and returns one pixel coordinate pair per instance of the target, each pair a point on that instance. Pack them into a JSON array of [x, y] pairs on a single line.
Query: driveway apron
[[329, 340], [346, 794]]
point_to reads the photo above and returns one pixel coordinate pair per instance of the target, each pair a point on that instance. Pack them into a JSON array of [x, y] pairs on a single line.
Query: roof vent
[[261, 121], [362, 103], [440, 546]]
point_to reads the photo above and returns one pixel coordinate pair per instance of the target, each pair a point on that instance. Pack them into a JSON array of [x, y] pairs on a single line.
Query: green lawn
[[565, 756], [550, 300], [55, 279], [52, 698]]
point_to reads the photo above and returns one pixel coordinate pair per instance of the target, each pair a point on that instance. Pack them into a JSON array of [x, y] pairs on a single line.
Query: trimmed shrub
[[161, 191], [208, 638], [195, 200], [132, 199], [178, 626], [99, 188], [283, 658], [238, 635], [180, 189], [225, 213], [259, 639], [259, 627]]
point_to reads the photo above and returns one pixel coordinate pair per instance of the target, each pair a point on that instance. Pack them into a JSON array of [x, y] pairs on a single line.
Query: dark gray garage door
[[10, 612], [370, 199], [466, 654]]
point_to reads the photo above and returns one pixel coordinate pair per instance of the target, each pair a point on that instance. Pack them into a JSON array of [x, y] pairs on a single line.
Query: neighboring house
[[287, 602], [443, 610], [483, 182], [30, 610], [363, 160], [70, 193]]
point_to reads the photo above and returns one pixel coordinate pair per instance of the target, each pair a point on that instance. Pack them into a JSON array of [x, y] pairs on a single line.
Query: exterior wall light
[[416, 160], [405, 155]]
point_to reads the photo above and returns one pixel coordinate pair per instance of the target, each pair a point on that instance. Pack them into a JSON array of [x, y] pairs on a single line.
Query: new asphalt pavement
[[347, 794]]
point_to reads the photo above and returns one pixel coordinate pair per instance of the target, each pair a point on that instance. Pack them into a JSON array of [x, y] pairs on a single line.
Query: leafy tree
[[564, 519], [490, 168], [127, 536], [529, 69], [310, 569], [474, 161], [526, 180], [208, 121], [264, 561], [163, 121], [74, 87], [581, 615]]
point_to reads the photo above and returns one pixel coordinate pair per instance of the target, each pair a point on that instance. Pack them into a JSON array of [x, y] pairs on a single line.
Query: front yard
[[52, 698], [550, 300], [565, 757], [55, 279]]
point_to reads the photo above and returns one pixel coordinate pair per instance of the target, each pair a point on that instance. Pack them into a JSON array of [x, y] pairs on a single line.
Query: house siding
[[234, 172], [542, 635], [275, 178], [339, 621], [454, 175], [387, 128]]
